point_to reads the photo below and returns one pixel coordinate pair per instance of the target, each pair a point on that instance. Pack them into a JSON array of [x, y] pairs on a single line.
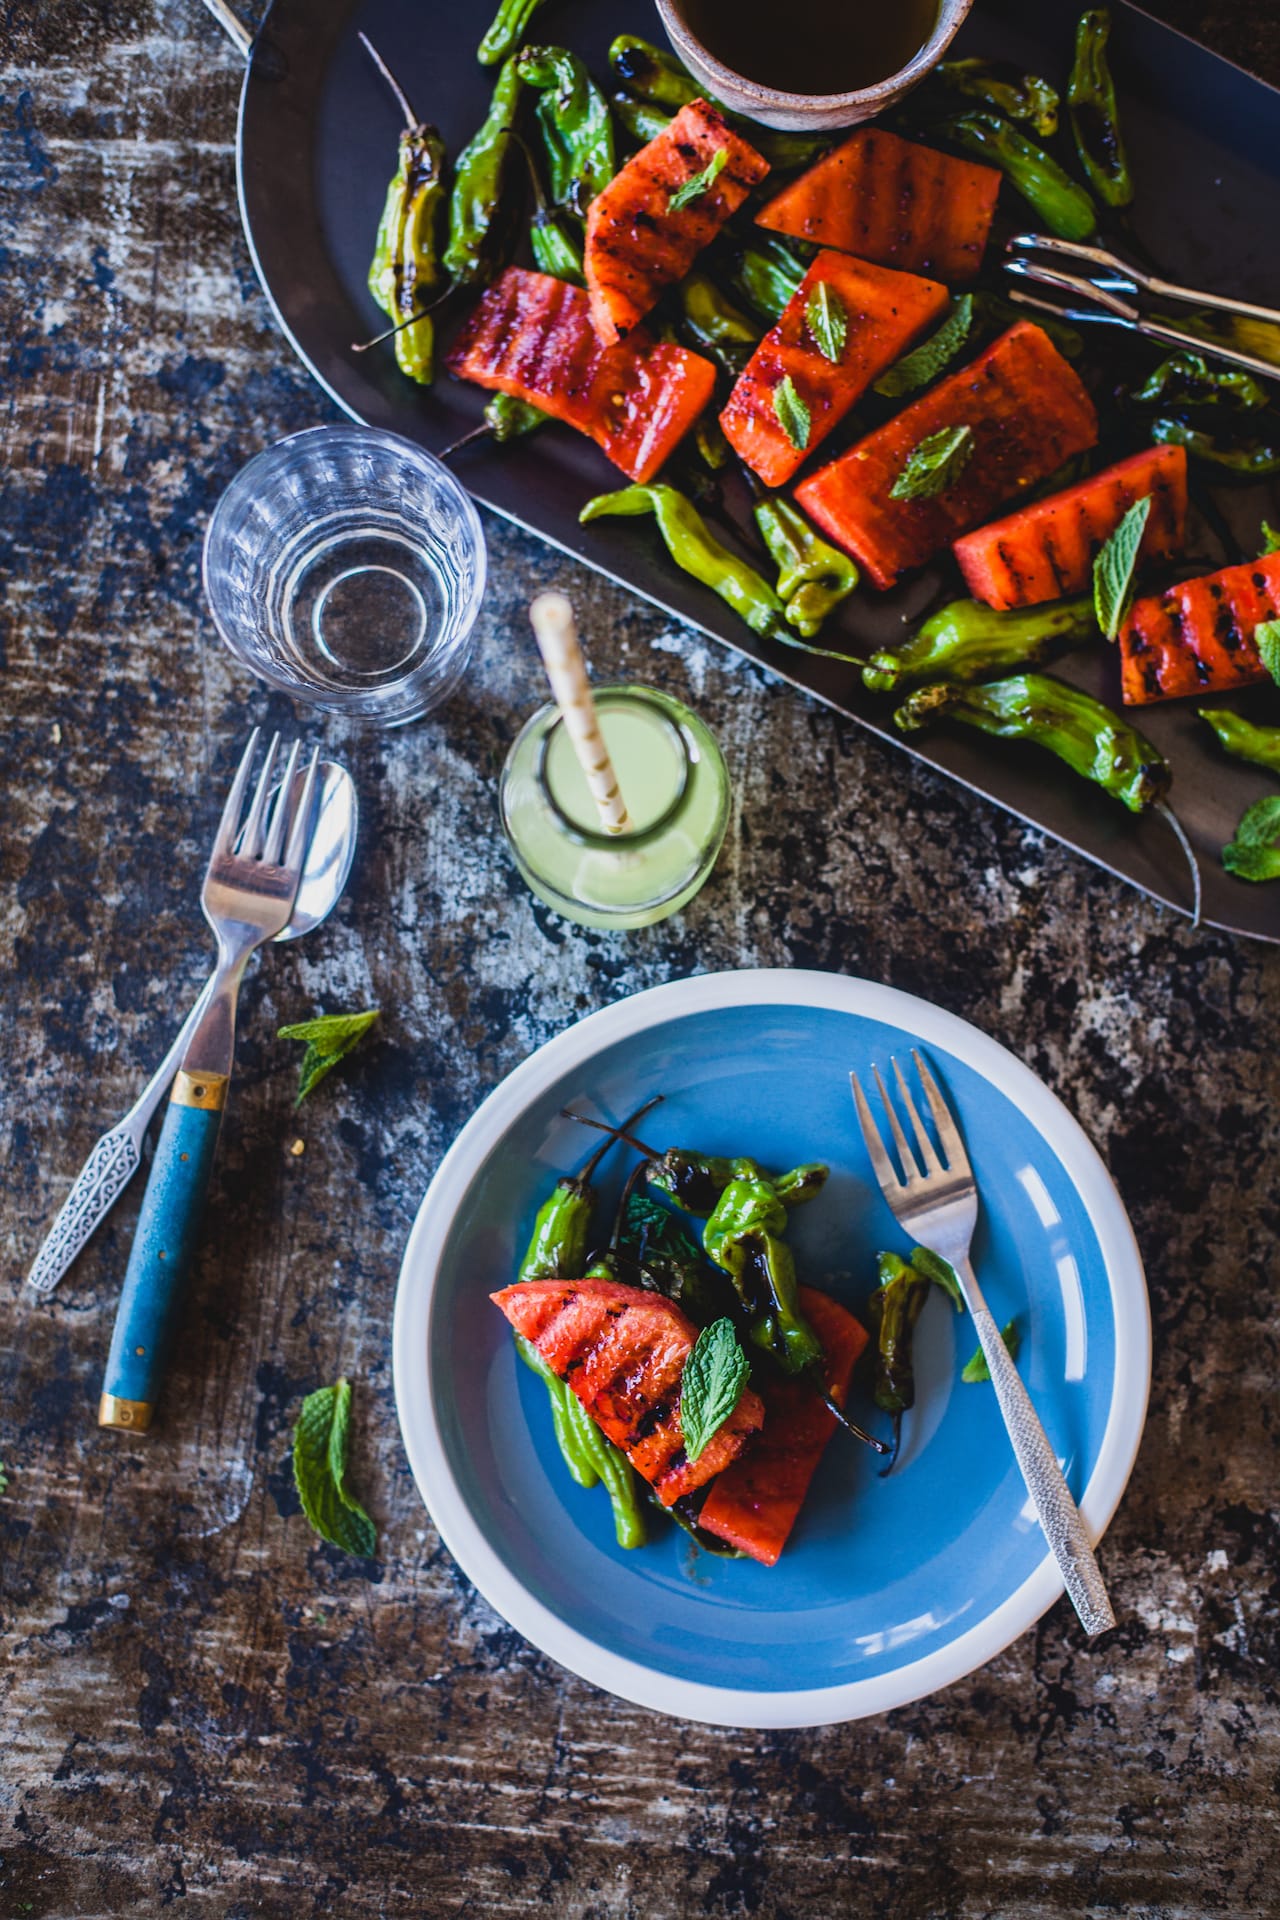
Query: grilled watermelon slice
[[1046, 550], [638, 241], [1198, 637], [754, 1503], [622, 1350]]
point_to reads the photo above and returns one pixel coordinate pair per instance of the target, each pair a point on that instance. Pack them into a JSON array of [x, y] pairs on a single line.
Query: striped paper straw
[[561, 650]]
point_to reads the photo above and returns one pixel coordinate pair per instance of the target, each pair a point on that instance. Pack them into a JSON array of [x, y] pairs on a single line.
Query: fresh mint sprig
[[1254, 854], [320, 1442], [711, 1385], [926, 362], [934, 464], [1114, 568], [329, 1038]]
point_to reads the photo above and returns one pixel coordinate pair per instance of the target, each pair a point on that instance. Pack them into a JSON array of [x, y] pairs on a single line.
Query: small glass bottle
[[673, 779]]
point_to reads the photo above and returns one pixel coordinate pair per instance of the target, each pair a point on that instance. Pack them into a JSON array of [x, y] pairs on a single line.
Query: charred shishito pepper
[[1019, 96], [479, 182], [1252, 459], [813, 576], [577, 130], [1093, 741], [744, 1237], [1241, 738], [767, 274], [1091, 102], [405, 271], [696, 550], [893, 1310], [510, 24], [658, 82], [968, 641], [1187, 380], [1063, 206], [713, 325]]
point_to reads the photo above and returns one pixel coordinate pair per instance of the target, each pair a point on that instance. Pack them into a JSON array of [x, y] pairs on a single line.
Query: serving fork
[[1112, 287], [247, 897], [937, 1204]]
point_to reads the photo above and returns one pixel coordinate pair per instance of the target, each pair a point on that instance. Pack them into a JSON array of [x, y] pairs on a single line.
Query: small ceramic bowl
[[808, 112]]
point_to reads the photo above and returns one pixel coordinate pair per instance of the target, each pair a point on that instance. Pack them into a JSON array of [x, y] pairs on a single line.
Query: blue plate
[[887, 1588]]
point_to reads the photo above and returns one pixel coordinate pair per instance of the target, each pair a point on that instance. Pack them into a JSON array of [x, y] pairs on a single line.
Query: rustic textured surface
[[204, 1708]]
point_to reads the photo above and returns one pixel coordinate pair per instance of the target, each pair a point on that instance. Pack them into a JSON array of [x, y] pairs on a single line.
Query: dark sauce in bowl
[[813, 46]]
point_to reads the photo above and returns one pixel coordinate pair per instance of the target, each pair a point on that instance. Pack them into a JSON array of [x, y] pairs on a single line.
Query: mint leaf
[[4, 1477], [827, 321], [329, 1038], [1254, 854], [976, 1368], [320, 1471], [700, 183], [793, 415], [711, 1385], [941, 1272], [934, 464], [1270, 540], [1266, 638], [1114, 567], [925, 362]]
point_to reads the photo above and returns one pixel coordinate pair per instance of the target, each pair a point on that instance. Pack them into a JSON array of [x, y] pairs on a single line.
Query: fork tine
[[880, 1161], [251, 839], [280, 809], [300, 829], [943, 1119], [910, 1170], [927, 1150], [228, 826]]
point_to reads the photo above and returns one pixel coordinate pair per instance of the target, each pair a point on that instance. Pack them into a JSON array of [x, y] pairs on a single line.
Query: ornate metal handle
[[109, 1168], [1059, 1515]]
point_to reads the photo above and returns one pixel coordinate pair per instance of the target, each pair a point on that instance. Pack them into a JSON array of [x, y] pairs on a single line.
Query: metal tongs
[[1113, 289]]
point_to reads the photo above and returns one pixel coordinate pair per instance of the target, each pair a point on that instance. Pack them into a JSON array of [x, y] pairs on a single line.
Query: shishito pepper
[[405, 271], [968, 641], [1260, 746], [577, 130], [638, 119], [1019, 96], [1091, 102], [507, 31], [714, 326], [813, 576], [744, 1237], [768, 274], [697, 552], [1063, 205], [479, 179], [1252, 458], [1093, 741], [659, 81], [1187, 380]]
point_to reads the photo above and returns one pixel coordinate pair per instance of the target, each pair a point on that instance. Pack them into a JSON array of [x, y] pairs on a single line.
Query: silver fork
[[938, 1207], [247, 898]]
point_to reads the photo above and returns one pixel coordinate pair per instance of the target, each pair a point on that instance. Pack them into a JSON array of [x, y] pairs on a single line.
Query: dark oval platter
[[317, 141]]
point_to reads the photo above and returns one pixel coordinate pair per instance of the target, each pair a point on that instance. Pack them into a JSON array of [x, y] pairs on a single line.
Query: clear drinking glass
[[346, 566], [673, 779]]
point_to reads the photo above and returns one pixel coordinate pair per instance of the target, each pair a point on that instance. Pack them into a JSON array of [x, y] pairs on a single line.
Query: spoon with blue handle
[[115, 1159], [248, 894]]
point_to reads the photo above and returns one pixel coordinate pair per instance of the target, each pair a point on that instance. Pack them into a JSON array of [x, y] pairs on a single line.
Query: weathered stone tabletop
[[203, 1707]]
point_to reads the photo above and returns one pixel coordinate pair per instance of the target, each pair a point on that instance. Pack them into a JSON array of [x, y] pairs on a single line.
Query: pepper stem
[[616, 1133], [482, 432], [410, 117], [892, 1451], [410, 320], [859, 1433], [1163, 807]]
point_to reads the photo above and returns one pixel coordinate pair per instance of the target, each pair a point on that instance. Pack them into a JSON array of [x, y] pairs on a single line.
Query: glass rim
[[640, 837]]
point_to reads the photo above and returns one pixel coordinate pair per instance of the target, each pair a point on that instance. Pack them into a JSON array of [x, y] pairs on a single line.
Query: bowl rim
[[415, 1309], [952, 15]]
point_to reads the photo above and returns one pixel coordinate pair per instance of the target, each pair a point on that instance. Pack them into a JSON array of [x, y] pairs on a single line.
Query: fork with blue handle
[[937, 1205], [247, 898]]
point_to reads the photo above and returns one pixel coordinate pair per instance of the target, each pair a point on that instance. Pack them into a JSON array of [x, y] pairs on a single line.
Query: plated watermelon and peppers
[[690, 1372], [709, 294]]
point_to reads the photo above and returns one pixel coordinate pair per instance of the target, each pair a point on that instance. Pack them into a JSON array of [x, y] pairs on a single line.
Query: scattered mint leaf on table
[[711, 1385], [1254, 854], [1266, 638], [827, 321], [320, 1472], [329, 1038], [976, 1368], [934, 464], [1113, 569], [793, 414], [1270, 540], [925, 362], [700, 183]]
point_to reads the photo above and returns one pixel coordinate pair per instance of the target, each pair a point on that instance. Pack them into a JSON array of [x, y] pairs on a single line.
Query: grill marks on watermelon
[[622, 1350], [884, 310], [1046, 550], [1027, 412], [755, 1502], [636, 243], [1198, 637], [531, 335], [892, 201]]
